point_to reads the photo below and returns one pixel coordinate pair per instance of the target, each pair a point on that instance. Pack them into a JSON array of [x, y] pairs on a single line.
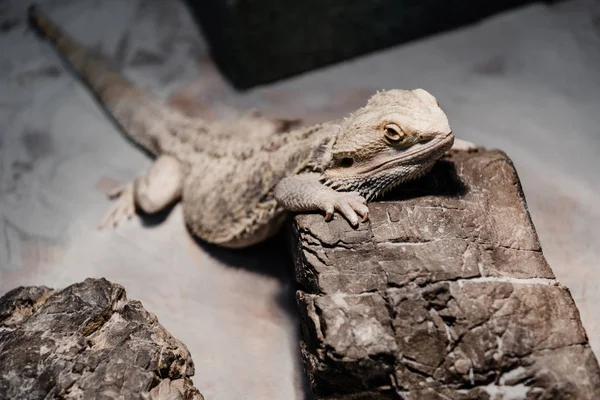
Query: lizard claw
[[365, 216], [124, 206], [117, 191], [349, 204]]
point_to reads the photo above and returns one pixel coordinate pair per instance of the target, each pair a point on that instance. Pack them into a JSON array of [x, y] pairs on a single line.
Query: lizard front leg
[[460, 144], [305, 193], [151, 192]]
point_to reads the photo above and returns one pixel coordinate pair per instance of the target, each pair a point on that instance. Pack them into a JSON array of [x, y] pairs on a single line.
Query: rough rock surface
[[88, 342], [444, 294]]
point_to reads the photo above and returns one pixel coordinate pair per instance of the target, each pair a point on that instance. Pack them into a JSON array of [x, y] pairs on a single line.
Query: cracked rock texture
[[444, 293], [88, 341]]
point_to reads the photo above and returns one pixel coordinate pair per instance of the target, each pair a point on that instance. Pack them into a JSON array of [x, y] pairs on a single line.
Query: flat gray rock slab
[[443, 293], [88, 341]]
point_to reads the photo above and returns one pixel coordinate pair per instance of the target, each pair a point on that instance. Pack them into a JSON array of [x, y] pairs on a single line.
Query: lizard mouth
[[417, 154]]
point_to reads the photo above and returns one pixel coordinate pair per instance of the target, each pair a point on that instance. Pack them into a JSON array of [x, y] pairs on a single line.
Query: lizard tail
[[140, 115]]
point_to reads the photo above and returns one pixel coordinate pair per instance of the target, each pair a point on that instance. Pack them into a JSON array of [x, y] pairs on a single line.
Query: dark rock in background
[[88, 341], [260, 41], [444, 294]]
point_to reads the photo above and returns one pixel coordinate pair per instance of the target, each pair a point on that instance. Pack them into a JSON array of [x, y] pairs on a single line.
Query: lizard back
[[228, 190]]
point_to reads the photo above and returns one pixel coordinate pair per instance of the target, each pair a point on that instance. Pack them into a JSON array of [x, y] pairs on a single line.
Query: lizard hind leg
[[152, 192], [124, 206]]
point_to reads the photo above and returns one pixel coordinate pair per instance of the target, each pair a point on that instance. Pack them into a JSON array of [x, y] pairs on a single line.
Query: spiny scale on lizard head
[[395, 138]]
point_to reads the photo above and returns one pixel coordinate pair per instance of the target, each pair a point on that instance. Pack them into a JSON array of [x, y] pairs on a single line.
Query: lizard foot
[[123, 207], [460, 144], [349, 204]]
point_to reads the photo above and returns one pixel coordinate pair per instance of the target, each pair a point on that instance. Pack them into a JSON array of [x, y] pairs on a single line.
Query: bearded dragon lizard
[[236, 183]]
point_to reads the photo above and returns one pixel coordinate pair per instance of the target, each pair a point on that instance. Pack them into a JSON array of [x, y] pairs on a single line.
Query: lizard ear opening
[[346, 162]]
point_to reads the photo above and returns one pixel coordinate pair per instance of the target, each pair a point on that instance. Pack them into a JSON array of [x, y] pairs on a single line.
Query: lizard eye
[[346, 162], [394, 134]]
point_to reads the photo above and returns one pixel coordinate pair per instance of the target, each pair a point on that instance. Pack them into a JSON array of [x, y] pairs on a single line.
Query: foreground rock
[[444, 294], [88, 341]]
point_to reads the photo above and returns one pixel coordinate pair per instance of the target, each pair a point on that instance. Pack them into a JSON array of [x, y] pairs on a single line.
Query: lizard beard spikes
[[378, 185]]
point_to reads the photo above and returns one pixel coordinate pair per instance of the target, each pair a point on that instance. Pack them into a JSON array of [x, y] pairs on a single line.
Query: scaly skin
[[237, 179]]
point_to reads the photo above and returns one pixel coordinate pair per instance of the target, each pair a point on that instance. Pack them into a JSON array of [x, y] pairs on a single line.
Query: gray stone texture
[[444, 293], [260, 41], [88, 341]]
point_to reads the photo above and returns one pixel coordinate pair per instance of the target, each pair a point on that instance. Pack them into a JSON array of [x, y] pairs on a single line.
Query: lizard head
[[396, 137]]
